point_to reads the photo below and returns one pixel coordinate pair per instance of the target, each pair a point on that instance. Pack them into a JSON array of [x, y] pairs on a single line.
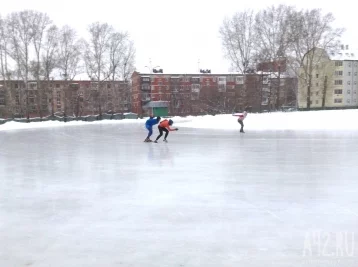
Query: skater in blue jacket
[[149, 125]]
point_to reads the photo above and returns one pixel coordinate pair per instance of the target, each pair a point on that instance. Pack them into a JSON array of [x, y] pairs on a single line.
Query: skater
[[241, 118], [164, 126], [149, 125]]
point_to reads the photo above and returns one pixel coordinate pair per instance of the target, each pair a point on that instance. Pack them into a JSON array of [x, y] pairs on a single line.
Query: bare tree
[[4, 64], [68, 60], [273, 43], [312, 36], [238, 38], [97, 59], [40, 23], [49, 59], [21, 32], [69, 53], [121, 53]]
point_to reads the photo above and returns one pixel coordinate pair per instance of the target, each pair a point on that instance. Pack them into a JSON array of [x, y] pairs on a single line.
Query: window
[[265, 80], [338, 91], [348, 101], [349, 64], [338, 63], [354, 100], [317, 93], [2, 97], [317, 84], [185, 79], [338, 73], [222, 79], [349, 82], [355, 82], [108, 86], [145, 87], [222, 87], [57, 85], [17, 99], [338, 100], [317, 75], [349, 73], [231, 79], [33, 85], [195, 79], [16, 85], [349, 92], [195, 88], [316, 102], [338, 82], [194, 96], [146, 79], [355, 92], [239, 80]]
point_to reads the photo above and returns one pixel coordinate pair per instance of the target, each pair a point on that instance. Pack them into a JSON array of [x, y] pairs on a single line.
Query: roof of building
[[156, 104], [195, 75], [344, 55]]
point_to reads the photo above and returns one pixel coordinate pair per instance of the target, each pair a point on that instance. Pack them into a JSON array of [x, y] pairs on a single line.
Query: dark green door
[[162, 111]]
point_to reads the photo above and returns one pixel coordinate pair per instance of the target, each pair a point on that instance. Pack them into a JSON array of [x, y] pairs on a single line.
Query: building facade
[[333, 80], [70, 98], [199, 94]]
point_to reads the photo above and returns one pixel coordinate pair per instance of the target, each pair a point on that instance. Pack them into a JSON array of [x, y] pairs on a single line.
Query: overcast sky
[[174, 34]]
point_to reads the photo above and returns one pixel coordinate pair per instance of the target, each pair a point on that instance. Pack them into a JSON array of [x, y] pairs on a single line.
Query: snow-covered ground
[[313, 120], [94, 194]]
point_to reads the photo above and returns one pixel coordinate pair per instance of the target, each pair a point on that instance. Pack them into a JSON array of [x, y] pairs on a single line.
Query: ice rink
[[97, 196]]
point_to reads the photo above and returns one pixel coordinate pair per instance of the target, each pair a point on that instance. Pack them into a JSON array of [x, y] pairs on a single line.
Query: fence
[[89, 118]]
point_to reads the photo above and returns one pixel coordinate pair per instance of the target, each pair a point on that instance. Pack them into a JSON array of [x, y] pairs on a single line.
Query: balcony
[[145, 87], [145, 97]]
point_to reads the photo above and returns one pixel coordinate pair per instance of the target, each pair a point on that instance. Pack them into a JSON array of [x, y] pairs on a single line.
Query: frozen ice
[[96, 195]]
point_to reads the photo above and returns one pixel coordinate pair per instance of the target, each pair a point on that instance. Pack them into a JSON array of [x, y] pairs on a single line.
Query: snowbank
[[309, 120], [12, 125]]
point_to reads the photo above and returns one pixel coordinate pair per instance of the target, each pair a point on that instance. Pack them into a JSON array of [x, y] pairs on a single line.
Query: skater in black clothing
[[164, 126]]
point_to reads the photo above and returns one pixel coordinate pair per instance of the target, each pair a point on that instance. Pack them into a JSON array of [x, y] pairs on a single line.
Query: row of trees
[[278, 32], [32, 47]]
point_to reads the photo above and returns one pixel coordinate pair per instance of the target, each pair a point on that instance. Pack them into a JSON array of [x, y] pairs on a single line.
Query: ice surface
[[96, 195]]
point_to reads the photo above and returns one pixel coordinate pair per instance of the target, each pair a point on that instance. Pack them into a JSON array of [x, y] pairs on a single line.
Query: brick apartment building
[[206, 93], [70, 98]]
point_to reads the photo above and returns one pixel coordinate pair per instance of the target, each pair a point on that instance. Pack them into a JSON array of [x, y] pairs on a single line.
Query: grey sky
[[174, 34]]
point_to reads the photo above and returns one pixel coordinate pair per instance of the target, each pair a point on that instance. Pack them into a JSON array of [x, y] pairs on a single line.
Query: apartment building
[[72, 98], [207, 93], [333, 79]]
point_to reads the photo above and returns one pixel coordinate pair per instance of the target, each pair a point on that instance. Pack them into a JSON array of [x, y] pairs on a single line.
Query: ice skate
[[165, 140], [156, 141]]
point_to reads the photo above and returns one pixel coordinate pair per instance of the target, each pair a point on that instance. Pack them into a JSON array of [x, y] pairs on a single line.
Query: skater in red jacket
[[241, 119], [164, 126]]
